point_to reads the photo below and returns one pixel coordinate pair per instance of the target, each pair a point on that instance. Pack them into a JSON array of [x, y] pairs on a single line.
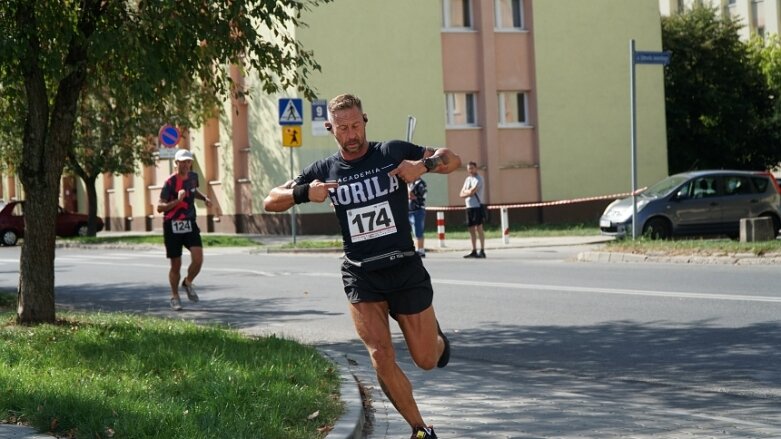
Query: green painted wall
[[386, 52], [582, 76]]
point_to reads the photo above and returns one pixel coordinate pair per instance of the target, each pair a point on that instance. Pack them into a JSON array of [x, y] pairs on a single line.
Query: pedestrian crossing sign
[[291, 111], [291, 136]]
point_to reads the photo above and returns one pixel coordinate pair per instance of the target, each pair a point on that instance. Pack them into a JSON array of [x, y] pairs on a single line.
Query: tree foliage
[[127, 53], [719, 106], [766, 53]]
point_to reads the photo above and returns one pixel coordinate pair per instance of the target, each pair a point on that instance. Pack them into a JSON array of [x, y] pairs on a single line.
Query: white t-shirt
[[479, 196]]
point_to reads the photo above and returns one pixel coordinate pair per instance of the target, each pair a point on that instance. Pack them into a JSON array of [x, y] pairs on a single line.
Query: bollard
[[505, 226], [441, 228]]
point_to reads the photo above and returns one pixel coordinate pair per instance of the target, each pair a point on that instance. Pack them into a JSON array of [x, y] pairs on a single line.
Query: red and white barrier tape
[[542, 204]]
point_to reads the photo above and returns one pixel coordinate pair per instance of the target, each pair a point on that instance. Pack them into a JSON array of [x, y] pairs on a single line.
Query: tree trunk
[[92, 205], [36, 266], [48, 134]]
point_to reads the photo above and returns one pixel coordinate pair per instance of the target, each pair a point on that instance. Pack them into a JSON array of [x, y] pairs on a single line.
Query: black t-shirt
[[170, 191], [371, 205]]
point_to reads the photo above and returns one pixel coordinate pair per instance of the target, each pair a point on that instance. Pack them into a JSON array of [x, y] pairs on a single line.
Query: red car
[[12, 223]]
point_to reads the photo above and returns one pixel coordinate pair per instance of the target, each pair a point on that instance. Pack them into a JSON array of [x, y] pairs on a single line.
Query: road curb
[[350, 424]]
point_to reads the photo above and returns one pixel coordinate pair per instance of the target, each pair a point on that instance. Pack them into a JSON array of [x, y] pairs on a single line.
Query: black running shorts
[[175, 241], [406, 286], [474, 216]]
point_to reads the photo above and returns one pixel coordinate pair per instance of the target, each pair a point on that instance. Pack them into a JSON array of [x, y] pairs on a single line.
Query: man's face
[[471, 169], [349, 129], [183, 166]]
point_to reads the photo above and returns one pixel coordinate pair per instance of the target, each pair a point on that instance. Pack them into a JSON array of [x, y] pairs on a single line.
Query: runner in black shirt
[[382, 274]]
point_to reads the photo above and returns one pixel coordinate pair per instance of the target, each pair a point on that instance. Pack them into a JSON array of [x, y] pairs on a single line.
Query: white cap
[[183, 154]]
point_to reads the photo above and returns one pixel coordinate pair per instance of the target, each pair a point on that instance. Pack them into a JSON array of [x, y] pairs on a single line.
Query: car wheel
[[657, 228], [82, 230], [9, 238]]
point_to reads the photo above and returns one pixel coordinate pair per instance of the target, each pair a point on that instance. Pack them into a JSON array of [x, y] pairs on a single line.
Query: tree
[[141, 50], [719, 108]]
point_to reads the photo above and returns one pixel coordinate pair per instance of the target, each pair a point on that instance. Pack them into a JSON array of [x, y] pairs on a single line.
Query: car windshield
[[664, 187]]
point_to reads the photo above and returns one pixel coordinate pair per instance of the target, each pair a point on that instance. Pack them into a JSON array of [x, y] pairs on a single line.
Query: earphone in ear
[[365, 119], [328, 126]]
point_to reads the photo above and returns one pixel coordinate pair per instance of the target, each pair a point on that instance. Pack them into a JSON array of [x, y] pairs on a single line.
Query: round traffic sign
[[169, 135]]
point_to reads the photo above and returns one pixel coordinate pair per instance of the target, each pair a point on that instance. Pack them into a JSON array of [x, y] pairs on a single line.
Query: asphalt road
[[543, 346]]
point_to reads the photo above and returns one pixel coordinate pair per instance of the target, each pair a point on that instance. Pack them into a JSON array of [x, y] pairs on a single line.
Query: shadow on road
[[614, 379], [236, 312]]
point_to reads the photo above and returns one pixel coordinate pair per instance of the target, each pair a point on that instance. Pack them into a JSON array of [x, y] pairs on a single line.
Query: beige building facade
[[536, 92], [757, 17]]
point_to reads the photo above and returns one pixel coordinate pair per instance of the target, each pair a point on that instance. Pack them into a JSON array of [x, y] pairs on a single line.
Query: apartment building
[[760, 17], [534, 91]]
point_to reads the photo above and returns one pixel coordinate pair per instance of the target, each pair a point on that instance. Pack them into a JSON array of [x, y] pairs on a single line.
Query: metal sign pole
[[639, 57], [293, 210], [633, 155], [411, 122]]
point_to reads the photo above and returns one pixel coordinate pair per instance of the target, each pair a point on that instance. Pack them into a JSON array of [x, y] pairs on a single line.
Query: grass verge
[[460, 231], [208, 240], [328, 243], [106, 375], [704, 247]]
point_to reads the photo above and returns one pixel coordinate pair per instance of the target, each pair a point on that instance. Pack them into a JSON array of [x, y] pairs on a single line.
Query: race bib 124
[[182, 226]]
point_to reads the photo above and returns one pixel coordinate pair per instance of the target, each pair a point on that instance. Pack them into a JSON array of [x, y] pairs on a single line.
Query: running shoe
[[445, 357], [481, 254], [176, 304], [471, 255], [190, 291], [423, 433]]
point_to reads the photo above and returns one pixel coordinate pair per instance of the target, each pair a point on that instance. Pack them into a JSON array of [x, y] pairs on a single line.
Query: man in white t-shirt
[[473, 194]]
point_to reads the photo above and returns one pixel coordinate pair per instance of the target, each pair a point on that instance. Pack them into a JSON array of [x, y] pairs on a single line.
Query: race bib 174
[[371, 222]]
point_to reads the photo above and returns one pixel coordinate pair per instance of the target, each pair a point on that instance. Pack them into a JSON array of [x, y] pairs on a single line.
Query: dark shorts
[[175, 241], [406, 286], [474, 216]]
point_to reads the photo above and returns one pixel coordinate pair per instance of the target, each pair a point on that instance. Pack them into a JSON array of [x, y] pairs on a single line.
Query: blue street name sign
[[652, 58], [291, 111]]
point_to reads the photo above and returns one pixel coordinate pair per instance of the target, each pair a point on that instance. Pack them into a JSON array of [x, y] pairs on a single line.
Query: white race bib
[[371, 222], [182, 226]]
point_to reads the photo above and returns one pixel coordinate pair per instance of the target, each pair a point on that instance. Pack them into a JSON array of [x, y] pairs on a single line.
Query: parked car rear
[[67, 223], [697, 203]]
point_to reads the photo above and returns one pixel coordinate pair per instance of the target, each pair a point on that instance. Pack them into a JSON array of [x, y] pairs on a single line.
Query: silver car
[[697, 203]]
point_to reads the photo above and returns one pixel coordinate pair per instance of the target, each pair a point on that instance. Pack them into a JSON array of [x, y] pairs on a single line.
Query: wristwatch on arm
[[431, 162]]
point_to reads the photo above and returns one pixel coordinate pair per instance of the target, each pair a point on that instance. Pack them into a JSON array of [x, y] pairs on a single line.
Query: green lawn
[[519, 231], [694, 246], [207, 239], [118, 375]]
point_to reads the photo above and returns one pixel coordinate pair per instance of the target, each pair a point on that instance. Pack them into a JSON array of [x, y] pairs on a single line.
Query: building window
[[461, 109], [457, 14], [513, 108], [508, 14], [758, 17]]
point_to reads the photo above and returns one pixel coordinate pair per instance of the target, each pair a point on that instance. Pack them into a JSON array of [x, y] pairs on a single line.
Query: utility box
[[756, 229]]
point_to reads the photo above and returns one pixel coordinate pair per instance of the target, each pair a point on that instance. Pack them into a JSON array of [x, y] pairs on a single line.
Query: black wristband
[[301, 193]]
